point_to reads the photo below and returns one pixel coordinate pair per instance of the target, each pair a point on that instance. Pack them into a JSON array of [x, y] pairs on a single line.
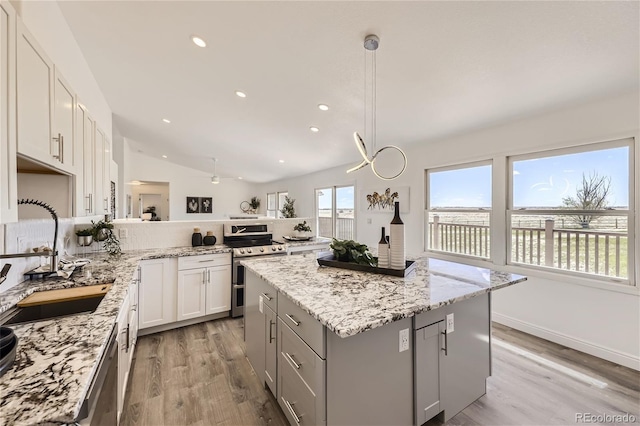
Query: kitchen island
[[343, 347]]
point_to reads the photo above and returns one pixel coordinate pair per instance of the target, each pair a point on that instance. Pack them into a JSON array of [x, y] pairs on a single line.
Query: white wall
[[184, 182], [47, 24], [600, 319]]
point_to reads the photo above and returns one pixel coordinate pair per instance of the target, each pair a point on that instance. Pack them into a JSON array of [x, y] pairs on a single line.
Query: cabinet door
[[218, 289], [271, 349], [85, 138], [191, 293], [428, 350], [98, 170], [123, 354], [254, 328], [106, 175], [63, 124], [8, 182], [157, 292], [35, 77]]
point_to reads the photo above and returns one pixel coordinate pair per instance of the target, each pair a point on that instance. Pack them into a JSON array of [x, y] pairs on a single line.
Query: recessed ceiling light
[[323, 107], [281, 161], [164, 156], [240, 177], [241, 94], [166, 121], [198, 41], [314, 129]]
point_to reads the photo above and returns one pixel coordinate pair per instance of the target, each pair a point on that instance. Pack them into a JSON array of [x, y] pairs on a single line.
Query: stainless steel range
[[247, 241]]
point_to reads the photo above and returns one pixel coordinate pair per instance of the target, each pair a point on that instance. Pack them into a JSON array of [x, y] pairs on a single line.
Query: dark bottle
[[397, 257], [383, 251], [209, 239], [396, 217], [196, 238]]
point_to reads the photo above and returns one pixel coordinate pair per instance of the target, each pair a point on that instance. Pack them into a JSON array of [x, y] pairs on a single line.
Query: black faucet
[[54, 252]]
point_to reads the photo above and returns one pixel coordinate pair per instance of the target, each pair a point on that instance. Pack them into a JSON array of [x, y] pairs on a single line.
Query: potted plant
[[302, 230], [101, 230], [254, 204], [84, 237], [288, 210], [353, 252]]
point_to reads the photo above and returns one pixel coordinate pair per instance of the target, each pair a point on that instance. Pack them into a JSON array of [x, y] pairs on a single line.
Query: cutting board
[[64, 295]]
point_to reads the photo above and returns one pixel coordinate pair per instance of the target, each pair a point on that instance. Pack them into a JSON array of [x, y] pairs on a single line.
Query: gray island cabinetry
[[342, 347]]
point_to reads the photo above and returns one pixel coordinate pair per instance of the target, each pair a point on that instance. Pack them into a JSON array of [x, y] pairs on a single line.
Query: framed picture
[[193, 205], [382, 200], [206, 205]]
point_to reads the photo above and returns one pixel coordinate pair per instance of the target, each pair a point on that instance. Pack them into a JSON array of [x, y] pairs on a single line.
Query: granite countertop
[[56, 358], [311, 242], [350, 302]]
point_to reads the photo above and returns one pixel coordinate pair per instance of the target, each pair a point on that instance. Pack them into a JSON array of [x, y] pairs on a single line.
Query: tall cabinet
[[8, 179]]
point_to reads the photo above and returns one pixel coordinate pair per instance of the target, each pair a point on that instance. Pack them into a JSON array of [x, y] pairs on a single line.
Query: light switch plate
[[404, 340], [123, 233], [450, 327]]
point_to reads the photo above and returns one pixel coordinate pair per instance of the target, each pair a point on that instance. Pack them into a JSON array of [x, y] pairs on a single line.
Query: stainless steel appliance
[[247, 240]]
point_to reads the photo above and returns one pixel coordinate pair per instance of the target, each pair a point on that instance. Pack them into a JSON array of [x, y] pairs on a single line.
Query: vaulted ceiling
[[442, 67]]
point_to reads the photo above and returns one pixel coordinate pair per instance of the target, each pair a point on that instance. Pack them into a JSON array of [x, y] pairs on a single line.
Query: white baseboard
[[617, 357], [185, 323]]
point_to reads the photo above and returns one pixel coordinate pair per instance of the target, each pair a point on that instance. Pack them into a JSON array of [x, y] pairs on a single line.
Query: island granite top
[[350, 302]]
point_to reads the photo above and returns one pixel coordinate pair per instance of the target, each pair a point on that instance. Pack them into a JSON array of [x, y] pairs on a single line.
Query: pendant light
[[371, 43], [215, 179]]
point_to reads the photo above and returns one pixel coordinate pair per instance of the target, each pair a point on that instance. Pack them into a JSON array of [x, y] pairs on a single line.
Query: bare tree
[[591, 194]]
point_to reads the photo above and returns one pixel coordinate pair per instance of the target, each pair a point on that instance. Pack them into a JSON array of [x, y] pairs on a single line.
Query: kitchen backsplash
[[144, 235], [21, 237]]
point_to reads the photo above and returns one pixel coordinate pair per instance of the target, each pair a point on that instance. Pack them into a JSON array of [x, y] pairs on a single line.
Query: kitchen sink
[[51, 310]]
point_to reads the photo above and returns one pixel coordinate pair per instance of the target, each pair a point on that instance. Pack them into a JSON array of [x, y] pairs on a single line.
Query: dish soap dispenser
[[383, 251]]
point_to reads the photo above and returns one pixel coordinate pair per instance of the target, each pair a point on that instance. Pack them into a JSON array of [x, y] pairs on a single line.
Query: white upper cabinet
[[8, 177], [85, 193], [63, 123], [46, 107], [35, 91], [106, 175], [98, 170]]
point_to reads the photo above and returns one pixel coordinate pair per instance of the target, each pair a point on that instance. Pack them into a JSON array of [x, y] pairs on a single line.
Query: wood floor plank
[[199, 375]]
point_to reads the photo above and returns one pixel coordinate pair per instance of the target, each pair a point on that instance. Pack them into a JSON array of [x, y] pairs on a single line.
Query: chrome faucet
[[54, 253]]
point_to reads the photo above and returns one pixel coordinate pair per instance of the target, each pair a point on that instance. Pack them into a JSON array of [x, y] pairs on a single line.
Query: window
[[281, 200], [459, 209], [569, 210], [275, 201], [335, 212], [272, 206]]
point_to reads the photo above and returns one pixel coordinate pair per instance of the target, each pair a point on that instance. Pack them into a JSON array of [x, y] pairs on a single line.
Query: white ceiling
[[443, 68]]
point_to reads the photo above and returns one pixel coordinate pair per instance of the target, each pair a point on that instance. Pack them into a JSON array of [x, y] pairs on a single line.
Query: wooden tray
[[63, 295], [330, 260]]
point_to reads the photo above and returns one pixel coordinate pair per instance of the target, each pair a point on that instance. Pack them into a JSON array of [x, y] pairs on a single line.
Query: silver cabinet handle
[[271, 337], [90, 202], [139, 275], [205, 261], [293, 320], [204, 277], [106, 204], [446, 344], [266, 296], [291, 410], [208, 276], [59, 141], [293, 361], [61, 148]]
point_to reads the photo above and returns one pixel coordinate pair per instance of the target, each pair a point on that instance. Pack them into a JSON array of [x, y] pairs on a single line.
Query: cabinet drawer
[[204, 261], [269, 294], [298, 402], [304, 325], [304, 361]]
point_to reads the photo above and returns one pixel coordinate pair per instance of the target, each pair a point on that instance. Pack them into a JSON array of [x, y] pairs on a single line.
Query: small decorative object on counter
[[196, 238], [112, 244], [84, 237], [383, 251], [397, 256], [209, 239], [101, 230], [350, 251], [302, 230]]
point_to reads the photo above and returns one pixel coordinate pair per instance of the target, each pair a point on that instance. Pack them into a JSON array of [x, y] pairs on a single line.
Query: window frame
[[334, 208], [278, 204], [628, 142], [275, 212], [428, 210]]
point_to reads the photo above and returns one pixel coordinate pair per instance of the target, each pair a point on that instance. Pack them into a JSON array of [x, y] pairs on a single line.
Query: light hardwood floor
[[198, 375]]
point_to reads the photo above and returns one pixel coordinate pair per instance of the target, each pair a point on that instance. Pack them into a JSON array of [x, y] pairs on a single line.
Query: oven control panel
[[260, 250]]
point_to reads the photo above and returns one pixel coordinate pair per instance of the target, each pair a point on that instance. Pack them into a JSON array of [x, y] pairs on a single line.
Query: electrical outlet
[[450, 323], [404, 340], [123, 233]]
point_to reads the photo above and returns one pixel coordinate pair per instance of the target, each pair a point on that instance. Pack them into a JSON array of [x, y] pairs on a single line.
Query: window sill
[[566, 278]]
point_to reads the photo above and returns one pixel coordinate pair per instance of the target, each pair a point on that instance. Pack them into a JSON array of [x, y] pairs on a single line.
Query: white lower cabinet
[[157, 292], [191, 293], [124, 359], [204, 285]]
